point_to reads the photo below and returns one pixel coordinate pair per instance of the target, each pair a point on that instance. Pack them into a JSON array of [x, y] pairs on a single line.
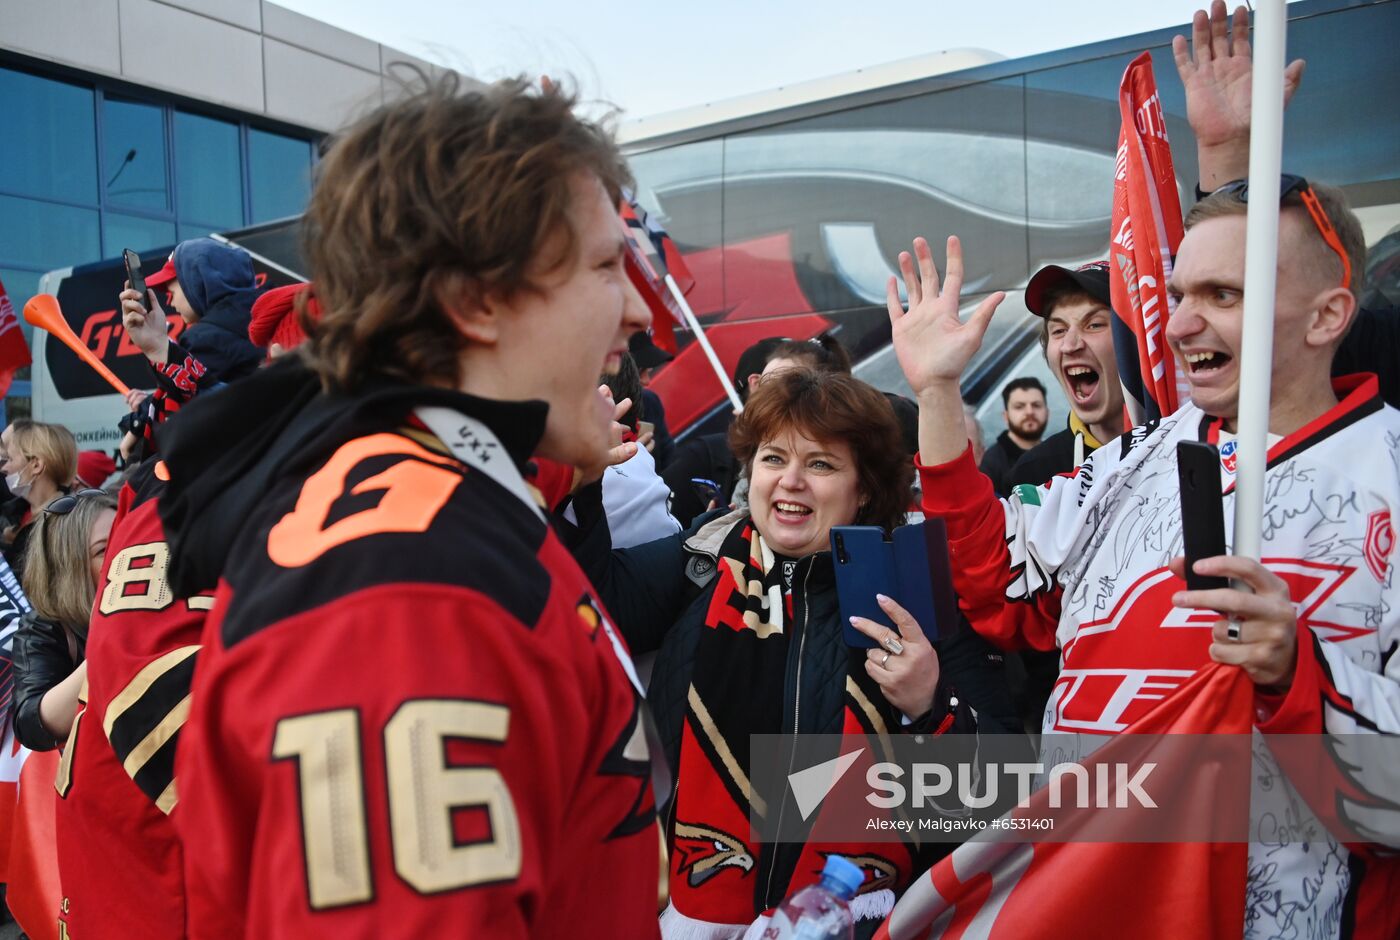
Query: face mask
[[16, 487]]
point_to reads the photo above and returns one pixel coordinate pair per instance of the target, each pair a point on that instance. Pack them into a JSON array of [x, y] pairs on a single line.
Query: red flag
[[1146, 232], [14, 351], [651, 256], [13, 604], [34, 892], [1000, 889]]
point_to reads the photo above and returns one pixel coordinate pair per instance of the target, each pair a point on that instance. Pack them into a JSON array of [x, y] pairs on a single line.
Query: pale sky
[[663, 56]]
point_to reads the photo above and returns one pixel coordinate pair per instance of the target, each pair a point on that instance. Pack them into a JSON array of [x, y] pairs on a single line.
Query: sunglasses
[[1289, 184], [66, 504]]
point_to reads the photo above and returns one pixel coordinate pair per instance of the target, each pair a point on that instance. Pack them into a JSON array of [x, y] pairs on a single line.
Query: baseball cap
[[1092, 278], [165, 275], [645, 352]]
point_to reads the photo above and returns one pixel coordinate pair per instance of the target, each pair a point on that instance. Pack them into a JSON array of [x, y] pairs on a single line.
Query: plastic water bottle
[[820, 911]]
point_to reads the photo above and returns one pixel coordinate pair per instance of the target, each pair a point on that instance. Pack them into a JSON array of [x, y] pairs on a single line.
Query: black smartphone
[[133, 273], [1202, 510], [868, 564]]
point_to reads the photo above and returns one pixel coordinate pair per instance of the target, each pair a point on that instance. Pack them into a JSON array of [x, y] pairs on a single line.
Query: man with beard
[[1025, 413]]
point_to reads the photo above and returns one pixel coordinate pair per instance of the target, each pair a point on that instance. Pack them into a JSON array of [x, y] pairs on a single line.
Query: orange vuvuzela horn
[[43, 311]]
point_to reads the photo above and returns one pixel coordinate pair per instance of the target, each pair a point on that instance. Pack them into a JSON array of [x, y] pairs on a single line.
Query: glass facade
[[90, 171]]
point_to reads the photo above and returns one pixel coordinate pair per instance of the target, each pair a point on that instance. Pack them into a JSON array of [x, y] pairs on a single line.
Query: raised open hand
[[1217, 71], [934, 346]]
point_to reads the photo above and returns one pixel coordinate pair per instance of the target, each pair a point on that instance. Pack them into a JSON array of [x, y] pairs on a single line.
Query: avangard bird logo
[[702, 853]]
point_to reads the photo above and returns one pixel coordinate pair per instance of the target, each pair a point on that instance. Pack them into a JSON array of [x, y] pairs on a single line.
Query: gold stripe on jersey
[[139, 686], [167, 799], [63, 779], [164, 730]]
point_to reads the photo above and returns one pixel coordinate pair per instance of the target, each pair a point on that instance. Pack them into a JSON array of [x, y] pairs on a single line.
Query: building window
[[280, 175], [45, 235], [133, 152], [208, 173], [51, 143], [120, 230]]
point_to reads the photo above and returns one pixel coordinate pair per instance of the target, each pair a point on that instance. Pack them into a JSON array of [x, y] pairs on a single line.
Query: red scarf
[[737, 690]]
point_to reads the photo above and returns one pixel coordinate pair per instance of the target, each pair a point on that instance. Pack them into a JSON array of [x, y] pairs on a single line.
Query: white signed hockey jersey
[[1081, 564]]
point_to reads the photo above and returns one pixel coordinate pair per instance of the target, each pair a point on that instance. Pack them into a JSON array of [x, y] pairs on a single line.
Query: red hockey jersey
[[410, 715], [119, 855]]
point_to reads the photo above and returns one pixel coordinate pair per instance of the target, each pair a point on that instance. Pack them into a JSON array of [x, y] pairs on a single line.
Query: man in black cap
[[649, 357], [1077, 337]]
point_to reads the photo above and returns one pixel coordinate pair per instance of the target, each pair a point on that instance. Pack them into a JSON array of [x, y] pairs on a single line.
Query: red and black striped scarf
[[736, 690]]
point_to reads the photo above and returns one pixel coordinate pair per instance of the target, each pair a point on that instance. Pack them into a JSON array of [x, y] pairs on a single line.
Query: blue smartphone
[[912, 567]]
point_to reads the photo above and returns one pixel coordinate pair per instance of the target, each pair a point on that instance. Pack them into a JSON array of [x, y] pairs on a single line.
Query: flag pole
[[1260, 273], [704, 342]]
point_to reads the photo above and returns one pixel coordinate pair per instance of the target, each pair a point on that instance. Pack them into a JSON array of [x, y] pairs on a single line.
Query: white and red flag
[[1146, 232], [651, 256]]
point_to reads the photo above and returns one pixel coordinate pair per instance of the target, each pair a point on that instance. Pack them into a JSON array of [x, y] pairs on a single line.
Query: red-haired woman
[[743, 612]]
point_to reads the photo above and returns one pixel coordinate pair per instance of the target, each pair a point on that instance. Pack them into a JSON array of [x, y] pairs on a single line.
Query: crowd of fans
[[352, 633]]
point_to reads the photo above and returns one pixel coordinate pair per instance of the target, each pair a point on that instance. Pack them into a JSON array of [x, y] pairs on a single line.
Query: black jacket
[[998, 461], [659, 595], [225, 451], [41, 661]]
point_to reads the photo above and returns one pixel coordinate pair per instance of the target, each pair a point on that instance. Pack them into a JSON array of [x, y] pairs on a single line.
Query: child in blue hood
[[212, 288]]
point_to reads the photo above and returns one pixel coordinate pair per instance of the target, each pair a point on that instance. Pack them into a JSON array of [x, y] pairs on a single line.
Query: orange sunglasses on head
[[1288, 183]]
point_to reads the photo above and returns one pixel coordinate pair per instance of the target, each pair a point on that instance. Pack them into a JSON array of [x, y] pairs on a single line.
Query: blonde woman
[[40, 462], [64, 563]]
